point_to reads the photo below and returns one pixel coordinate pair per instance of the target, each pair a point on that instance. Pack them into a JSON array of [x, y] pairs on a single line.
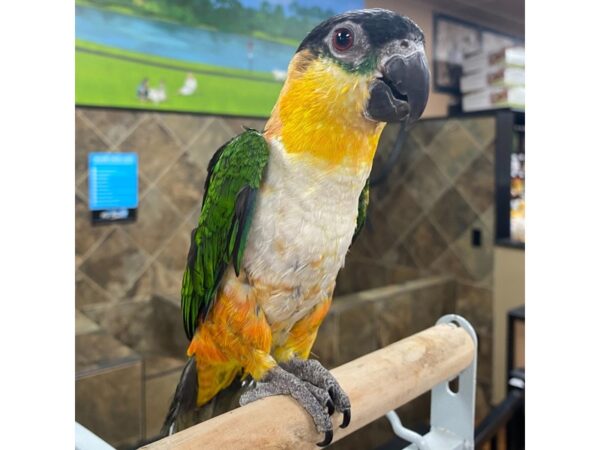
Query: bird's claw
[[313, 372], [314, 400], [346, 420], [328, 438]]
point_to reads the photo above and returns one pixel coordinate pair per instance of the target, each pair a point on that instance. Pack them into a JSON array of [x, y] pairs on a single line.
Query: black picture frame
[[448, 52]]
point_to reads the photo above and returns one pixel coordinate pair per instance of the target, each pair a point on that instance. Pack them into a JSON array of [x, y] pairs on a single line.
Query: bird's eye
[[343, 39]]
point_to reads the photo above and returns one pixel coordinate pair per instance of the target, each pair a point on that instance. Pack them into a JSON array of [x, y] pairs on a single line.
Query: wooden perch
[[376, 383]]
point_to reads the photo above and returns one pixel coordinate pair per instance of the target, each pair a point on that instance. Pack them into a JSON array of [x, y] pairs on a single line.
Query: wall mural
[[211, 56]]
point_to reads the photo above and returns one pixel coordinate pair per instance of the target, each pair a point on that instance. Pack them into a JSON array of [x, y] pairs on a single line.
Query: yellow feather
[[320, 113]]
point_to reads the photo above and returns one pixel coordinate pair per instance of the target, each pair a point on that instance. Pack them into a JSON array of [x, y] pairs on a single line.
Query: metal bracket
[[452, 414]]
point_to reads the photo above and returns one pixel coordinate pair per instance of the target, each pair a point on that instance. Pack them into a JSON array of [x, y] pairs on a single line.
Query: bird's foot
[[313, 372], [314, 399]]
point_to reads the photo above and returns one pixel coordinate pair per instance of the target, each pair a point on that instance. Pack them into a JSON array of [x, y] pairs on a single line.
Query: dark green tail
[[184, 413]]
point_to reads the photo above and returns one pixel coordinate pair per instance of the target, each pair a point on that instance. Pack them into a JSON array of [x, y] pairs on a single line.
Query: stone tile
[[359, 276], [325, 348], [410, 153], [82, 188], [483, 129], [109, 403], [387, 225], [425, 131], [453, 149], [490, 152], [362, 247], [477, 184], [151, 328], [425, 243], [399, 256], [83, 324], [401, 274], [401, 211], [95, 351], [173, 257], [475, 304], [449, 264], [86, 141], [155, 147], [156, 222], [183, 184], [185, 126], [429, 304], [145, 286], [113, 124], [392, 319], [158, 395], [210, 140], [452, 214], [167, 281], [156, 366], [86, 293], [478, 260], [86, 234], [143, 186], [489, 218], [425, 182], [116, 264], [357, 334]]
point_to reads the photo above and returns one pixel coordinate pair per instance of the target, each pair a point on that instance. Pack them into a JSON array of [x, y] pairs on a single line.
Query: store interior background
[[418, 244]]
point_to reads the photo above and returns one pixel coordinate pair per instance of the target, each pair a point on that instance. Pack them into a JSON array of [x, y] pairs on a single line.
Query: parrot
[[281, 208]]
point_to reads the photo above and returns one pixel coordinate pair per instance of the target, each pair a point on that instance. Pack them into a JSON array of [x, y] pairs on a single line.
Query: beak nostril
[[404, 43]]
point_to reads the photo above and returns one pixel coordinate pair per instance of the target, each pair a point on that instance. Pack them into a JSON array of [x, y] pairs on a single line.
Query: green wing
[[363, 204], [234, 175]]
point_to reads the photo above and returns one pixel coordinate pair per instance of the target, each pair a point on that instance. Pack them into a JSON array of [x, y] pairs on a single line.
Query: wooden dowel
[[376, 383]]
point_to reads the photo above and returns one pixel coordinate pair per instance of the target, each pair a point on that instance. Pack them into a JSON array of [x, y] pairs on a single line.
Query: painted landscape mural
[[211, 56]]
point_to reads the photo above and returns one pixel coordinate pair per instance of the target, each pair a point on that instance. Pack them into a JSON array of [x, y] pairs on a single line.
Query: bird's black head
[[383, 46]]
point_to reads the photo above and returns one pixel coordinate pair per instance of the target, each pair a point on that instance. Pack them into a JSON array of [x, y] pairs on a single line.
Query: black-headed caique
[[281, 208]]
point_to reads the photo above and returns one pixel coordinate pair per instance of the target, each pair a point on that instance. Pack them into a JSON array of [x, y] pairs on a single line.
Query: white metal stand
[[452, 414]]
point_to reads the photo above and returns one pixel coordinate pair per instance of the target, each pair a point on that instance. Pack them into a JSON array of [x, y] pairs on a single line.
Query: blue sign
[[113, 181]]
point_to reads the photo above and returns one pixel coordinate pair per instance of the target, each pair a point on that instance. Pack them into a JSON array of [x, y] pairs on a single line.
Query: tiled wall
[[420, 223], [422, 218], [124, 263], [125, 272]]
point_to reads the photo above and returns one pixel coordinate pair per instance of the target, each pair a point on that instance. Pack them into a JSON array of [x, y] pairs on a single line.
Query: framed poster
[[213, 56], [453, 39]]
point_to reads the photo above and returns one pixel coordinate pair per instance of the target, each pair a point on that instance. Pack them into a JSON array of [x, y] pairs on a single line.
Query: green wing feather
[[234, 175], [363, 203]]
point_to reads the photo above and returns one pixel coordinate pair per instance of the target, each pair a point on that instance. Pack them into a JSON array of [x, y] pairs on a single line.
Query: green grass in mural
[[184, 65], [107, 76]]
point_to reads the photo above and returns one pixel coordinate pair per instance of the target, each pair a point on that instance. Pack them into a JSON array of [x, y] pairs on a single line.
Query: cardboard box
[[494, 76], [495, 97], [481, 61]]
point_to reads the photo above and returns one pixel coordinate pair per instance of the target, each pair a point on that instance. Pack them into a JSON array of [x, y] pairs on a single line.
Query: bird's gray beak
[[402, 90]]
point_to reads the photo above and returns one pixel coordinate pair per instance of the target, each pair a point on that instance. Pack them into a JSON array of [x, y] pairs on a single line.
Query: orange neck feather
[[319, 114]]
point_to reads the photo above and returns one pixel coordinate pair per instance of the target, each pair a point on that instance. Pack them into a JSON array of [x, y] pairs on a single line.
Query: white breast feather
[[301, 231]]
